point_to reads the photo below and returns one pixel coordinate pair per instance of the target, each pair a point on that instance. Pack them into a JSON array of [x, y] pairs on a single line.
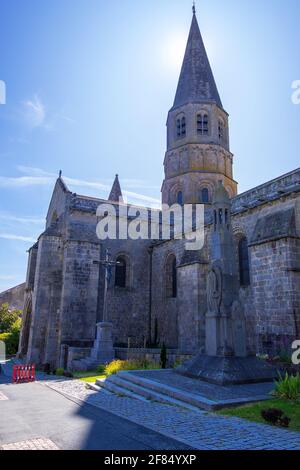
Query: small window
[[221, 130], [181, 127], [204, 196], [121, 272], [171, 277], [220, 216], [180, 198], [202, 124], [178, 124], [244, 262]]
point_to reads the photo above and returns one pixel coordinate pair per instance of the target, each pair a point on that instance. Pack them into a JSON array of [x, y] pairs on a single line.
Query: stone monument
[[103, 350], [226, 360]]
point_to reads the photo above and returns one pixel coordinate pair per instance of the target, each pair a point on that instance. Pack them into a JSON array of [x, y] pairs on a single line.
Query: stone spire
[[198, 150], [196, 82], [116, 192]]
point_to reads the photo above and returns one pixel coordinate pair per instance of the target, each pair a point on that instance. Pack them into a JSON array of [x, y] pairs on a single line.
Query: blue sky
[[90, 82]]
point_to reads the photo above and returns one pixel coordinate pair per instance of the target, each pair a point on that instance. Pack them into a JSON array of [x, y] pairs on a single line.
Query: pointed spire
[[196, 82], [116, 192]]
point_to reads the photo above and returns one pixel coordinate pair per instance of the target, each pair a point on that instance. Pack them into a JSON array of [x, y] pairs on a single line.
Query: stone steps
[[110, 386], [184, 397], [136, 387]]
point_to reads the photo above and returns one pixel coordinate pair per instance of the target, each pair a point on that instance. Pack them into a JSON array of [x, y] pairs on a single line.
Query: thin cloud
[[35, 115], [6, 217], [34, 112], [9, 236], [8, 278], [24, 181], [32, 171], [103, 187], [38, 177]]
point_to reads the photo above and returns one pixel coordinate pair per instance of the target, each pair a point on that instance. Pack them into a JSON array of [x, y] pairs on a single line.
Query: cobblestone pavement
[[200, 430], [33, 444]]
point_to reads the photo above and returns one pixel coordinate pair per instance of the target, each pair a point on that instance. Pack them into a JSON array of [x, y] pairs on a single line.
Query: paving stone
[[201, 430], [33, 444]]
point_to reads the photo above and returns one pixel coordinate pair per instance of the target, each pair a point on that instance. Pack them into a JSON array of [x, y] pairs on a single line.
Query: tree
[[8, 318], [11, 338]]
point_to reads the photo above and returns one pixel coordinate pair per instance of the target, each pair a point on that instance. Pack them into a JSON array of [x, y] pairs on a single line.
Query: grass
[[252, 412], [92, 379], [88, 376], [115, 366]]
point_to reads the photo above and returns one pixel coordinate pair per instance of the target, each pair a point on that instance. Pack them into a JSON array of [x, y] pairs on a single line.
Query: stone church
[[157, 291]]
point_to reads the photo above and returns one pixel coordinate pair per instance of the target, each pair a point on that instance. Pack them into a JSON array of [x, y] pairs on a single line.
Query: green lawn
[[89, 376], [92, 379], [253, 412]]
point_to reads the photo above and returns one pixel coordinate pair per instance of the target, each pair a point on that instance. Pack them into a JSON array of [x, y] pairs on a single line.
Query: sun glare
[[173, 51]]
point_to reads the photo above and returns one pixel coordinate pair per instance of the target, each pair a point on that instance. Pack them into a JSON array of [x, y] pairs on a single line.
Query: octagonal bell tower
[[198, 154]]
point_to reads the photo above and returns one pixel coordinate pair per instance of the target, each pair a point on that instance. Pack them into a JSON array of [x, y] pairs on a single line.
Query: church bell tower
[[198, 156]]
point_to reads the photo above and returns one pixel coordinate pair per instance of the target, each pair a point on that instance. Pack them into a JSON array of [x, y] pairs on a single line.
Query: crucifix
[[108, 264], [103, 349]]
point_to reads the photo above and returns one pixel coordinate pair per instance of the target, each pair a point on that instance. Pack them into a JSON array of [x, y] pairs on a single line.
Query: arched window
[[171, 277], [202, 124], [204, 196], [181, 127], [221, 130], [244, 262], [178, 127], [180, 198], [121, 272]]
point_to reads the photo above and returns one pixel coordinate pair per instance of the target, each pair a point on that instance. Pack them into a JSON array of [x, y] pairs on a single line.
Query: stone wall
[[79, 297], [272, 299], [192, 306], [128, 307], [45, 325], [276, 294], [164, 311], [14, 297], [174, 357]]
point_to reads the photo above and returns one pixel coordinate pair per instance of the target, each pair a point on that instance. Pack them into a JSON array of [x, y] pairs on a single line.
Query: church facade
[[158, 290]]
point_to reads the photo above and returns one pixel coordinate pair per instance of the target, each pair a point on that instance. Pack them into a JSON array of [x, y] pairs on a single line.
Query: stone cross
[[103, 349], [108, 264]]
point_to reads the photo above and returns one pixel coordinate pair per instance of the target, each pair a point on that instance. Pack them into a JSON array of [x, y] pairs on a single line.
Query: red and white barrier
[[23, 374]]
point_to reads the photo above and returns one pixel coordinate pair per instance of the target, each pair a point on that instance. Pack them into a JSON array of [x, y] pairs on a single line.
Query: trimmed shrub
[[60, 371], [100, 369], [288, 387], [276, 417], [114, 367], [117, 365]]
